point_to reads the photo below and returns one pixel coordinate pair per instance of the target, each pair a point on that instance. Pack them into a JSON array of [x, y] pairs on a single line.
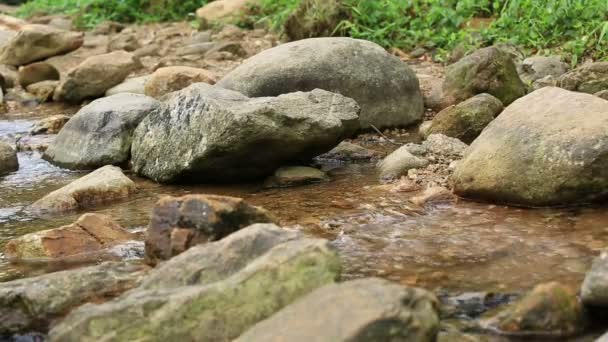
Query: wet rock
[[220, 311], [135, 85], [538, 67], [179, 223], [8, 159], [37, 42], [101, 132], [602, 94], [43, 91], [35, 143], [224, 11], [489, 70], [548, 148], [314, 18], [34, 303], [105, 185], [550, 310], [589, 78], [386, 88], [207, 263], [359, 310], [94, 76], [125, 40], [296, 175], [435, 194], [595, 287], [243, 138], [349, 152], [466, 120], [37, 72], [473, 304], [170, 79], [51, 125], [22, 97], [399, 163], [89, 234], [443, 145]]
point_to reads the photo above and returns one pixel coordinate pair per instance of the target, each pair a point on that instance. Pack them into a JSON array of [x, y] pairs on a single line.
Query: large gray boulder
[[220, 311], [95, 75], [386, 88], [34, 303], [101, 133], [360, 310], [8, 159], [37, 42], [548, 148], [590, 78], [489, 70], [205, 133]]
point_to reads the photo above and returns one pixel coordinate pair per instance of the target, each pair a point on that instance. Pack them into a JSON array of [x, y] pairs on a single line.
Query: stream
[[458, 246]]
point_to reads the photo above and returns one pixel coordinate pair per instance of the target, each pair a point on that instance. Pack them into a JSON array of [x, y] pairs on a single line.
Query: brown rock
[[170, 79], [11, 23], [43, 91], [104, 185], [91, 233], [224, 11], [37, 72], [50, 125], [180, 223]]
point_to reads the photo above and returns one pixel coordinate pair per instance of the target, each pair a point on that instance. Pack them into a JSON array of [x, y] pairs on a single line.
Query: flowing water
[[461, 246]]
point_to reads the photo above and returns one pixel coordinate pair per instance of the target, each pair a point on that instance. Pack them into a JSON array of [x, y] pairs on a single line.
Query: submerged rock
[[101, 133], [399, 163], [220, 311], [359, 310], [489, 70], [170, 79], [589, 78], [349, 152], [37, 42], [178, 223], [51, 125], [296, 175], [37, 72], [34, 303], [466, 120], [205, 133], [595, 287], [550, 310], [89, 234], [8, 159], [386, 88], [134, 85], [105, 185], [93, 77], [548, 148]]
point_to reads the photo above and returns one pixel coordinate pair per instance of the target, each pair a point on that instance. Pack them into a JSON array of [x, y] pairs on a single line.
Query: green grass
[[89, 13]]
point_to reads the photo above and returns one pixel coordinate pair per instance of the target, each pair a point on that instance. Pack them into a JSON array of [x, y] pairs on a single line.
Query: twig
[[385, 137]]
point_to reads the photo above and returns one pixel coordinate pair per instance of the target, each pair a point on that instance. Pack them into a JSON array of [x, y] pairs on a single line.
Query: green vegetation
[[573, 28], [89, 13]]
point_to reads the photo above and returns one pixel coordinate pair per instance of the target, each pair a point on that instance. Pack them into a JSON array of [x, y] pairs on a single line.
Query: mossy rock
[[315, 18]]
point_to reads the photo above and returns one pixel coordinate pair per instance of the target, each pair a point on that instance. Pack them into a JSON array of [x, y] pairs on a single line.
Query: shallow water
[[457, 246]]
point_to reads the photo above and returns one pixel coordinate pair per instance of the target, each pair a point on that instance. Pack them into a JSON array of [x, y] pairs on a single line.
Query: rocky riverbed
[[215, 157]]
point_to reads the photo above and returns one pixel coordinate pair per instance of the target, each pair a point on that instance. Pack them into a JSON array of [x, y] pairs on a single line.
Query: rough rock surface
[[296, 175], [101, 133], [34, 303], [89, 234], [37, 72], [466, 120], [602, 94], [43, 91], [134, 85], [51, 125], [488, 70], [314, 18], [399, 163], [205, 133], [94, 76], [105, 185], [586, 79], [442, 145], [538, 67], [215, 261], [224, 11], [220, 311], [595, 287], [37, 42], [359, 310], [548, 148], [386, 88], [8, 159], [178, 223], [170, 79], [549, 310], [350, 152]]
